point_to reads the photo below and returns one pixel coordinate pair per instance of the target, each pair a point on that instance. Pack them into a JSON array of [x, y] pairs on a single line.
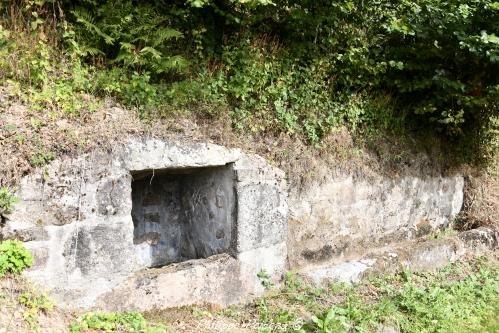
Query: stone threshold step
[[415, 255]]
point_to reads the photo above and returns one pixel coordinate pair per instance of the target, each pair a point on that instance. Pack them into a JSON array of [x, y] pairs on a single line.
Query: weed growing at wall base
[[34, 304], [14, 257], [131, 322], [459, 298]]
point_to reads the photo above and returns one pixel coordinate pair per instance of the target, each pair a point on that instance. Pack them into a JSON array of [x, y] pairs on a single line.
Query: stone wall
[[157, 219], [344, 217], [97, 223]]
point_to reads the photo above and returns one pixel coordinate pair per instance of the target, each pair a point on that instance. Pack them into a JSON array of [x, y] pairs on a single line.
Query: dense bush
[[299, 66]]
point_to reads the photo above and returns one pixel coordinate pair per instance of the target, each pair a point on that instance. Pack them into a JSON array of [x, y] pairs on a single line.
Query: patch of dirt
[[205, 319], [481, 199]]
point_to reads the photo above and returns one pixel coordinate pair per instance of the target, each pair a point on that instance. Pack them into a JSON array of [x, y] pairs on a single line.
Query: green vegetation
[[14, 257], [41, 158], [459, 298], [420, 303], [34, 304], [7, 200], [131, 322], [305, 68]]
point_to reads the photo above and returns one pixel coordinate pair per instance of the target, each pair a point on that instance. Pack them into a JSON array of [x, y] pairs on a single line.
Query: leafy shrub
[[50, 80], [203, 95], [14, 257], [448, 56], [7, 200], [270, 93], [114, 322], [130, 43]]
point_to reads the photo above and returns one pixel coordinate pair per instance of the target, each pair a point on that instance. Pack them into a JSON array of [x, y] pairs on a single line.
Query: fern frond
[[174, 63], [164, 34], [127, 58], [92, 51], [128, 47], [85, 18], [152, 52]]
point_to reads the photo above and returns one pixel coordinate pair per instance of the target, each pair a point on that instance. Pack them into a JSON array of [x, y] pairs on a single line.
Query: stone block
[[261, 216]]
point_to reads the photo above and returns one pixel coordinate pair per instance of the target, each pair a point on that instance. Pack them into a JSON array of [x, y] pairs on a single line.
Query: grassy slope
[[459, 298]]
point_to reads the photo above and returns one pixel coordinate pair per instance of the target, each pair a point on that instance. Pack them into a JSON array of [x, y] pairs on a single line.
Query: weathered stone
[[344, 216], [423, 227], [261, 216], [323, 253], [349, 272], [262, 213], [388, 329], [25, 233], [216, 280], [40, 257], [112, 195], [107, 217], [98, 250], [430, 255], [66, 214], [220, 279]]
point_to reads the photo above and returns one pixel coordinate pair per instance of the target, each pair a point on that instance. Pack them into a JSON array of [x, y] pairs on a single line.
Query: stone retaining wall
[[161, 224]]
